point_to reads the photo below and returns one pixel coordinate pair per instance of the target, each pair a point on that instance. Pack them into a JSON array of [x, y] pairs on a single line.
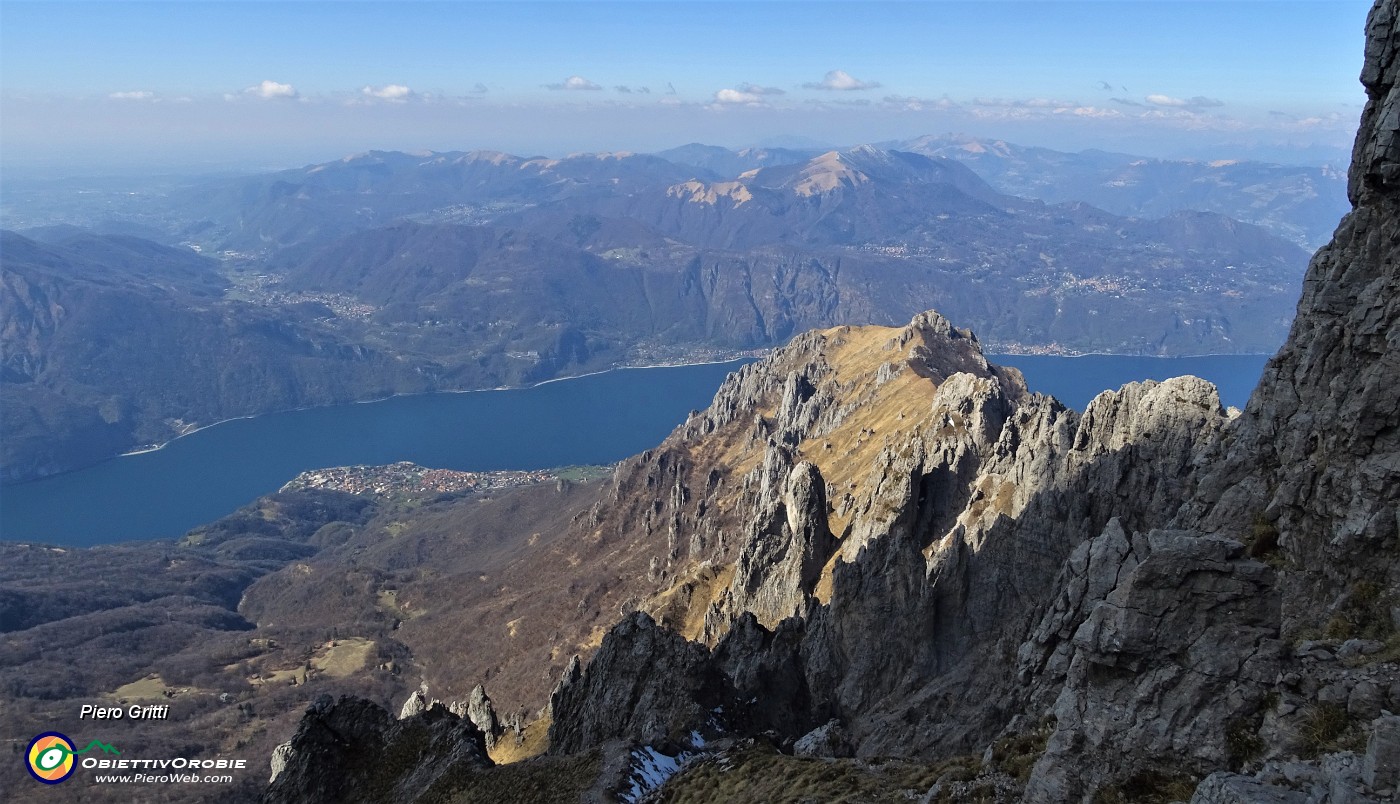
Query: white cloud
[[1025, 103], [1094, 112], [1025, 108], [1198, 102], [755, 89], [841, 80], [1328, 121], [915, 104], [733, 96], [271, 90], [480, 88], [393, 92], [574, 82], [1165, 100], [138, 95]]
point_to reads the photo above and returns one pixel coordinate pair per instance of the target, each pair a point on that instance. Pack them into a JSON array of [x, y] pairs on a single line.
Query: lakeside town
[[405, 479]]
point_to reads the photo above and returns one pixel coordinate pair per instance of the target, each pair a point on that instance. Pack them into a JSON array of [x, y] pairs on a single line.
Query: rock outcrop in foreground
[[876, 543], [354, 750]]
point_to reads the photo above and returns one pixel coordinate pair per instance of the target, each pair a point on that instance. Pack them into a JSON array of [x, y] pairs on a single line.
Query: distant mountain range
[[1298, 203], [1302, 204], [392, 272]]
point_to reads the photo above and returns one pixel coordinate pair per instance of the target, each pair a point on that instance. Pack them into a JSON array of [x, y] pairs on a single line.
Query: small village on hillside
[[406, 479]]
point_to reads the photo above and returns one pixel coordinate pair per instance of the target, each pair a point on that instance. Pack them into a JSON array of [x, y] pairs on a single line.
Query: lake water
[[589, 420], [1076, 380], [595, 419]]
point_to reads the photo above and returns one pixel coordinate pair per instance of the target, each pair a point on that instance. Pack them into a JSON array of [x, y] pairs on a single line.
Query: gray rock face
[[827, 740], [1019, 500], [352, 750], [1185, 641], [280, 756], [1375, 166], [645, 683], [1091, 573], [765, 679], [1316, 455], [1234, 788], [1381, 768], [480, 712], [782, 558], [648, 685], [1007, 526], [1332, 779], [416, 704], [476, 708]]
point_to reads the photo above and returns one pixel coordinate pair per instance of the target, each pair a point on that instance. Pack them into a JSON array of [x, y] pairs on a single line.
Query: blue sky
[[269, 84]]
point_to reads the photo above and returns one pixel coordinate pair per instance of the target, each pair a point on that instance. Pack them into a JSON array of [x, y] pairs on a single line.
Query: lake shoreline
[[157, 447], [596, 420], [993, 357]]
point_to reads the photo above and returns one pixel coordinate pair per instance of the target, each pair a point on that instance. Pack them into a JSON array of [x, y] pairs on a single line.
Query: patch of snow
[[651, 768]]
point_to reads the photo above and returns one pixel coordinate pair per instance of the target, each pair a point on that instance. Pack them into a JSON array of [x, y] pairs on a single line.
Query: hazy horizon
[[202, 87]]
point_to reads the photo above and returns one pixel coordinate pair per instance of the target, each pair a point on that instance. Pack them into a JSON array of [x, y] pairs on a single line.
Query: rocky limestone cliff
[[956, 531]]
